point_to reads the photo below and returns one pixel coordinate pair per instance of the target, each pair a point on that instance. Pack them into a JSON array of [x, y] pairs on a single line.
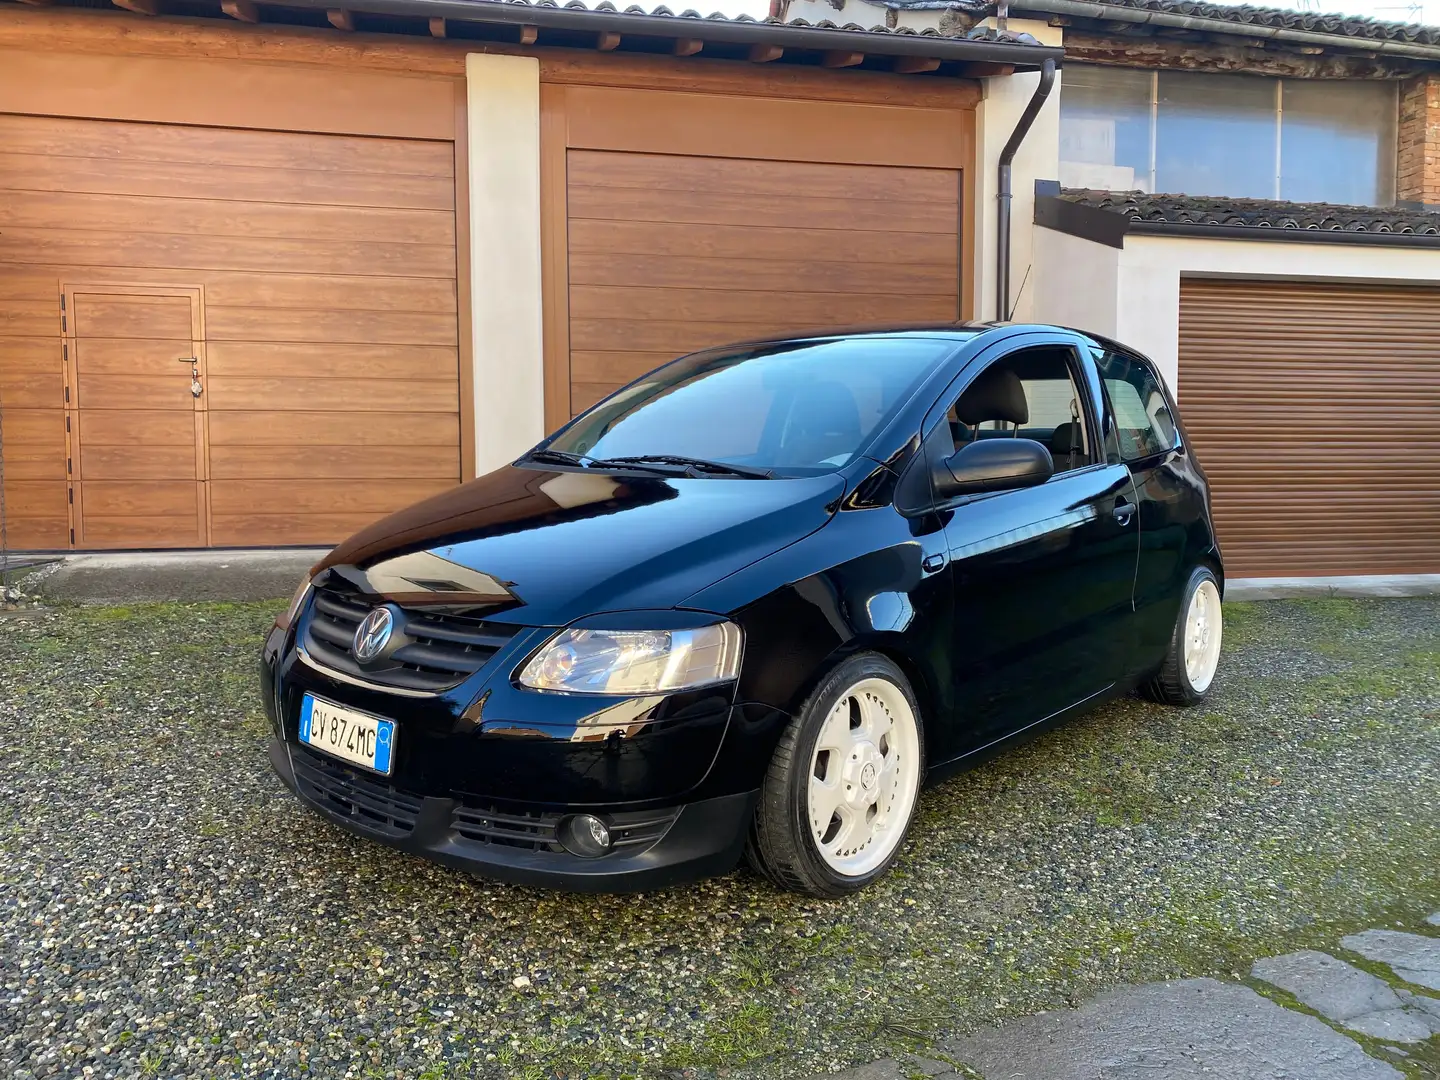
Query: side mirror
[[993, 465]]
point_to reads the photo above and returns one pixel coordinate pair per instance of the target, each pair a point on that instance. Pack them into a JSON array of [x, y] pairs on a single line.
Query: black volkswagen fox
[[748, 603]]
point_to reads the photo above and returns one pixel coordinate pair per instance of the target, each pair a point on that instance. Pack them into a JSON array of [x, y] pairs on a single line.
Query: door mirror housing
[[993, 465]]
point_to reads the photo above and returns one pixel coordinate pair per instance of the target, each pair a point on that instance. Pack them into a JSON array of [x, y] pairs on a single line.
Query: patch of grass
[[735, 1038], [1336, 611], [110, 614], [1243, 623], [1356, 683]]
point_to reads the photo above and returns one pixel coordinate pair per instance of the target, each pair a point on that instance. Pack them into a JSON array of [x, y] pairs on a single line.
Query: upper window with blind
[[1242, 136]]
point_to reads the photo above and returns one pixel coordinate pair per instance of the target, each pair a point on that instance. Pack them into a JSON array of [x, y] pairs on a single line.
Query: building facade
[[270, 271]]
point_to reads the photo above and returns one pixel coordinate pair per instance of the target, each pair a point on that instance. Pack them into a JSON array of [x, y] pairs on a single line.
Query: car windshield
[[795, 408]]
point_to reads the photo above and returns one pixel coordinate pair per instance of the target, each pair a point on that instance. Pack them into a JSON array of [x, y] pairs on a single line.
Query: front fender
[[859, 583]]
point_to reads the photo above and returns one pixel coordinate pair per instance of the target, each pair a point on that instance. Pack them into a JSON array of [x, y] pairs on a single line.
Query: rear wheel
[[841, 790], [1194, 653]]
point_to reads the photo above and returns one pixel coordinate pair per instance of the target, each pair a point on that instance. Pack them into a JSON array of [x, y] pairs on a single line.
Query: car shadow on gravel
[[173, 911]]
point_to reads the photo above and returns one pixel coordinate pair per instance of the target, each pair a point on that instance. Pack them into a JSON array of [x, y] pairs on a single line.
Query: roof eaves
[[1108, 217], [1274, 24], [742, 30]]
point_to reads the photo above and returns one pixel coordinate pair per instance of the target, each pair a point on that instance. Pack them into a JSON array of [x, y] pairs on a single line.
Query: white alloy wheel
[[864, 777], [1202, 636]]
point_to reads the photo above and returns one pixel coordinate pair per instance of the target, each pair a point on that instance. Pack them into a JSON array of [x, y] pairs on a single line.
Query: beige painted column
[[503, 107], [1039, 158]]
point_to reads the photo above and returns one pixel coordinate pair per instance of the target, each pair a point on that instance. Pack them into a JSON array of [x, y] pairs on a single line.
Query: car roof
[[957, 330]]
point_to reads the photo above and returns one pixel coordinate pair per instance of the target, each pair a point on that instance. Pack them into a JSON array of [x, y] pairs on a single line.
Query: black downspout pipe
[[1002, 218]]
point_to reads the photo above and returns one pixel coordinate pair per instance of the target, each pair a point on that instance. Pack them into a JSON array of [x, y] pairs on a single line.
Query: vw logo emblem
[[373, 634]]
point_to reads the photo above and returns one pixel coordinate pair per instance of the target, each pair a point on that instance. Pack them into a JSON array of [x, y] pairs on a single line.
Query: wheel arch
[[891, 647]]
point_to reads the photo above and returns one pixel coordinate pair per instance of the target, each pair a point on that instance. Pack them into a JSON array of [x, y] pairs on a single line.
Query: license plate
[[346, 734]]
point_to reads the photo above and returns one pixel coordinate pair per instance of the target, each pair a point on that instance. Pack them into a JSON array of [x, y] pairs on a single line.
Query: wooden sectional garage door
[[310, 278], [671, 253], [1313, 408]]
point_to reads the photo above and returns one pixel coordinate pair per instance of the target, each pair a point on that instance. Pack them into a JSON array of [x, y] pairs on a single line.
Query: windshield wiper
[[691, 466], [557, 457], [664, 464]]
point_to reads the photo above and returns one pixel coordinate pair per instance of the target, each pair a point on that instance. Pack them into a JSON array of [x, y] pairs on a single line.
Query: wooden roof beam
[[528, 34], [340, 19], [763, 54], [914, 65], [437, 27], [139, 7], [243, 10], [984, 69], [608, 41], [837, 59], [687, 46]]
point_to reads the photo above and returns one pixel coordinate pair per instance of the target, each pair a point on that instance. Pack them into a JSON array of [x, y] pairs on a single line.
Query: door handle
[[1123, 512], [931, 563], [195, 388]]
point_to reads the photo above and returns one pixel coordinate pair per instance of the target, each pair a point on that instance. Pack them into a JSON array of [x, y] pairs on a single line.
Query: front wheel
[[841, 789], [1194, 652]]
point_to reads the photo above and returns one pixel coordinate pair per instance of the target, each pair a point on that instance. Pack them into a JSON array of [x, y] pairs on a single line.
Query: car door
[[1042, 576], [1169, 495]]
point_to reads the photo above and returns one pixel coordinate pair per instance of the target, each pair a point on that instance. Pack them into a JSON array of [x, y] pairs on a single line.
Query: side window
[[1143, 424], [1031, 394]]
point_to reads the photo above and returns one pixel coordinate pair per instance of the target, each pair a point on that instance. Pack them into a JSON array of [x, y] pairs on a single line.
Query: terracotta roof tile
[[1355, 26], [1258, 213], [978, 33]]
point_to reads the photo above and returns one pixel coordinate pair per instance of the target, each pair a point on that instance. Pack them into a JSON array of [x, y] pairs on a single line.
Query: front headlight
[[296, 603], [635, 661]]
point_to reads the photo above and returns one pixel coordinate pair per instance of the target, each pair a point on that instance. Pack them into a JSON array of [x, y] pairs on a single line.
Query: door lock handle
[[1123, 512], [194, 361], [931, 563]]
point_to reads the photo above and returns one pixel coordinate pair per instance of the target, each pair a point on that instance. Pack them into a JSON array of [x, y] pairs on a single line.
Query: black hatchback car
[[746, 604]]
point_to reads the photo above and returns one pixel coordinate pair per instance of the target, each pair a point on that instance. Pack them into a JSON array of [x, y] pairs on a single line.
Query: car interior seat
[[1065, 445], [998, 395]]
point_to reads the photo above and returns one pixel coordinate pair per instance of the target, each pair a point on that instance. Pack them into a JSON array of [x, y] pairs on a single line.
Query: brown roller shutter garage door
[[688, 220], [1313, 408], [671, 253], [310, 277]]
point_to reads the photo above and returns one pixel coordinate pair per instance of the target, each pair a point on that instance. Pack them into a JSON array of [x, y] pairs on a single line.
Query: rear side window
[[1143, 424]]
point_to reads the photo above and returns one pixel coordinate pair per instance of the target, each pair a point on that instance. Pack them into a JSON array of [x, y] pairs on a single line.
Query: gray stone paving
[[1413, 957], [1203, 1028], [1195, 1028], [1347, 995]]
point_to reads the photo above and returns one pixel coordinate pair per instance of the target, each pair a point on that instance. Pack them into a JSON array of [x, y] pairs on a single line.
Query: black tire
[[781, 845], [1171, 685]]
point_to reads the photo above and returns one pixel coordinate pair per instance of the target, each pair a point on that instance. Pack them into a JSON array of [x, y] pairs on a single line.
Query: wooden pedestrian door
[[135, 416]]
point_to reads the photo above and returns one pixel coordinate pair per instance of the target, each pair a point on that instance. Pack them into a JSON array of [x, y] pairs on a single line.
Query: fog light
[[586, 835]]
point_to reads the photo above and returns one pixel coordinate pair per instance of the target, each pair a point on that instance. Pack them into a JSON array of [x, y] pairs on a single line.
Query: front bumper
[[661, 847]]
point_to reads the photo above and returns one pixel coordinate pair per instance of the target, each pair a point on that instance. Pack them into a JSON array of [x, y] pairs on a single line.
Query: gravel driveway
[[166, 909]]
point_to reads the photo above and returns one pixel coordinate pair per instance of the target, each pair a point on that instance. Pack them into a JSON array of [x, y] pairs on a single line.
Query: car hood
[[545, 547]]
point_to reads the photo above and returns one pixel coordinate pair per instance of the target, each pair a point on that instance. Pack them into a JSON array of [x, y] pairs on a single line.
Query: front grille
[[540, 831], [368, 801], [438, 651]]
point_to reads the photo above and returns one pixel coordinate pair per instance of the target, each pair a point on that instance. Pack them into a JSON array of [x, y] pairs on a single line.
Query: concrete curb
[[147, 577], [1287, 588]]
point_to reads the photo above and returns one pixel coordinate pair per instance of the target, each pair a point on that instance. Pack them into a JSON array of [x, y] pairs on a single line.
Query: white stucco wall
[[1146, 277], [1039, 157], [1076, 282], [503, 108]]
